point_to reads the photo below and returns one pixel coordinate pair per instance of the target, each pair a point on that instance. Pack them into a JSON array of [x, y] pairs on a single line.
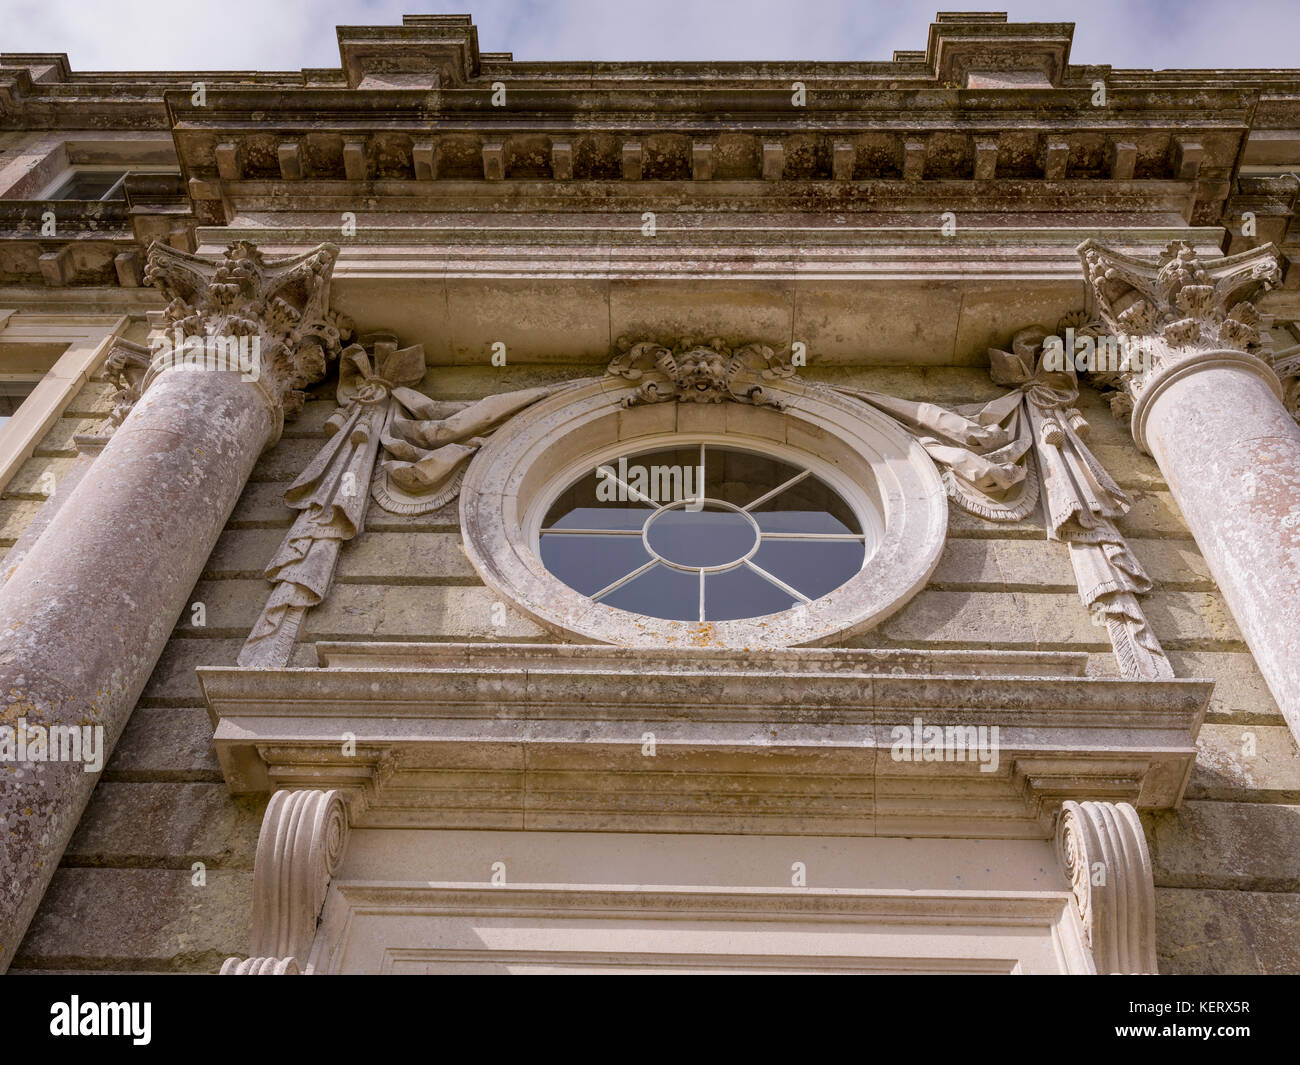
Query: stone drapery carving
[[268, 318], [332, 493], [303, 838], [998, 459], [1166, 316], [426, 455], [699, 373], [1081, 503], [1103, 853]]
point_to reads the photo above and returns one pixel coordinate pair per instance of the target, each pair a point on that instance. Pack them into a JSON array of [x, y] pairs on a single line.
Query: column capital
[[268, 319], [1174, 315]]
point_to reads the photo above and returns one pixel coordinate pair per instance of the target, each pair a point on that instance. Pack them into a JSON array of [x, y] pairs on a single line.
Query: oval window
[[703, 532]]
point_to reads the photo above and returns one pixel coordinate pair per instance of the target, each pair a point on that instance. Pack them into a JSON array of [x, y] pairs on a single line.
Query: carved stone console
[[304, 835], [1104, 855]]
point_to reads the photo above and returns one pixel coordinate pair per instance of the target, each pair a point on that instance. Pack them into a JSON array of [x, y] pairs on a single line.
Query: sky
[[290, 34]]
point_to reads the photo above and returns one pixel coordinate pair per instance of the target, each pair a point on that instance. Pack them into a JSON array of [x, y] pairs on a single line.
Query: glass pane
[[89, 185], [709, 537], [668, 475], [589, 563], [810, 506], [596, 503], [740, 477], [660, 592], [644, 492], [741, 593], [813, 567]]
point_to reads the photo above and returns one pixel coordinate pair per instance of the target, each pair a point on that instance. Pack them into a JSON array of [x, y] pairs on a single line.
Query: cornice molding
[[581, 713]]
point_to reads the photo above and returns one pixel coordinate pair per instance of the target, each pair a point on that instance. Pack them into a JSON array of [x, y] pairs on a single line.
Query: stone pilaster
[[1206, 405], [88, 611]]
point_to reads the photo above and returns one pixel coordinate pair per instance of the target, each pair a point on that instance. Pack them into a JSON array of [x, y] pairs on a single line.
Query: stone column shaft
[[86, 615], [1230, 453], [1207, 405]]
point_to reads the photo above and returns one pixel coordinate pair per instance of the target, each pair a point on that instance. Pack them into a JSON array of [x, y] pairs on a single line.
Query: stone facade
[[336, 680]]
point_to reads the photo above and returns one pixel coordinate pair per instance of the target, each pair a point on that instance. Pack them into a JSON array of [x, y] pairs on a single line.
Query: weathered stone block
[[30, 481], [262, 504], [58, 441], [1212, 932], [230, 607], [165, 742], [14, 516], [287, 459], [1003, 563], [173, 680], [243, 553], [140, 919], [1240, 692], [433, 613], [404, 556], [95, 399], [173, 824], [1243, 845], [1154, 513], [1246, 763]]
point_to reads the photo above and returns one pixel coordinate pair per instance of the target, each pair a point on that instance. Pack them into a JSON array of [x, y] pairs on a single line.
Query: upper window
[[702, 525], [12, 394], [94, 183], [702, 533], [90, 185]]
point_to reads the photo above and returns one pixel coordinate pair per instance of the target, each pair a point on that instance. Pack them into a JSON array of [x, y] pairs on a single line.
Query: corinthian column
[[85, 616], [1206, 405]]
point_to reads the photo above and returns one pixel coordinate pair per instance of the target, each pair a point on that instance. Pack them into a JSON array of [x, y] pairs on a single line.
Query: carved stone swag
[[997, 460]]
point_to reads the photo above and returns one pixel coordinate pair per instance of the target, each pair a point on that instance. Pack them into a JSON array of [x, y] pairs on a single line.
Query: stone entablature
[[991, 118]]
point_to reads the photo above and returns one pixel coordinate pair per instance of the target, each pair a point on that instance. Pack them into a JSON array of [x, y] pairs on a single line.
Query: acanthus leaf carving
[[274, 313], [126, 366], [1287, 366], [1173, 310]]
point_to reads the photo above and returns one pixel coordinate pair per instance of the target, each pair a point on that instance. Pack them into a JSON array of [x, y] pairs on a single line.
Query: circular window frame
[[862, 454]]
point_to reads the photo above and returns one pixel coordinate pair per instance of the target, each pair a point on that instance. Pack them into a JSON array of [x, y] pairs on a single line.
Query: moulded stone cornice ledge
[[556, 738], [461, 244]]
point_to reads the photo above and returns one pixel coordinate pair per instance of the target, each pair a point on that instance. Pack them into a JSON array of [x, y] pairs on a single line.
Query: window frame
[[527, 457]]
